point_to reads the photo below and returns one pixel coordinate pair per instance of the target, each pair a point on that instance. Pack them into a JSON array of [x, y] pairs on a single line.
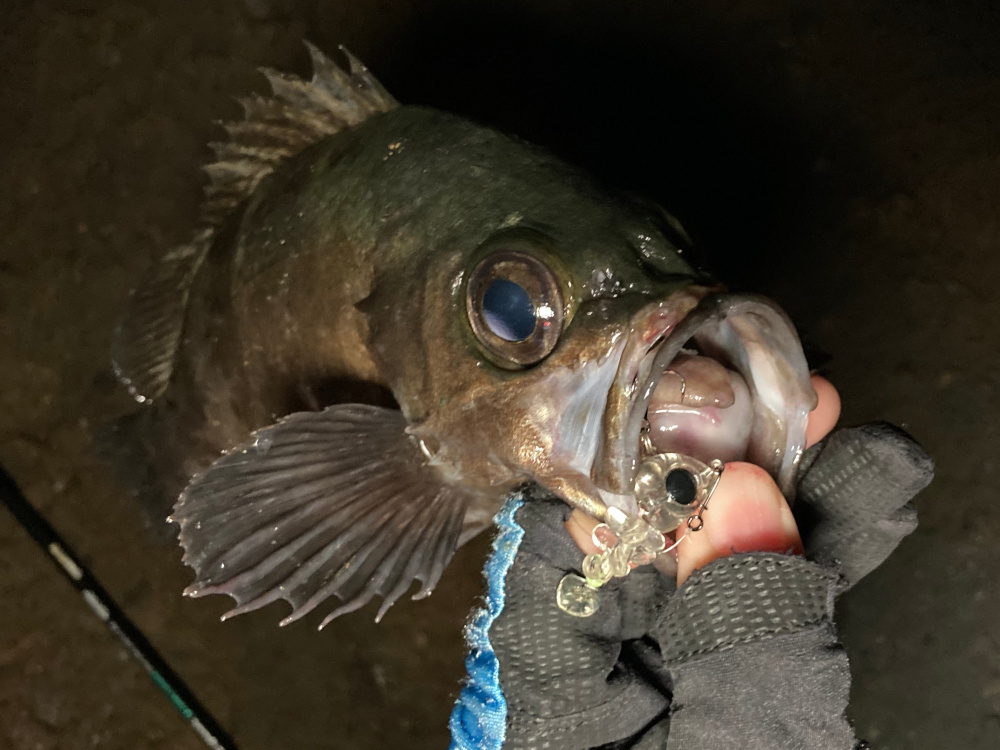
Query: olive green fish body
[[394, 316]]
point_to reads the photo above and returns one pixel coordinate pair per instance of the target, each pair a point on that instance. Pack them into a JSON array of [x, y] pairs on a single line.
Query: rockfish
[[391, 317]]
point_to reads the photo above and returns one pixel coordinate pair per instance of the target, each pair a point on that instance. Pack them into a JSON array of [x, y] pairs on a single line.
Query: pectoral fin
[[340, 503]]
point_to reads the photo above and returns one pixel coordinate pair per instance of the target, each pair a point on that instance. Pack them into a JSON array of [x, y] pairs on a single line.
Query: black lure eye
[[515, 307], [681, 487]]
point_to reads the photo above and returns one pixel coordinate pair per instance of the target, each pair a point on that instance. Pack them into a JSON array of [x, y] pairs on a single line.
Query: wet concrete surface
[[843, 156]]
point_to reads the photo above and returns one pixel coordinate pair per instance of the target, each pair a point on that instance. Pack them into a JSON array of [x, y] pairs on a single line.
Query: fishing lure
[[671, 490]]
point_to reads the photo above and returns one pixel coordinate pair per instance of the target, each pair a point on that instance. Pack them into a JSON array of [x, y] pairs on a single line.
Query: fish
[[390, 318]]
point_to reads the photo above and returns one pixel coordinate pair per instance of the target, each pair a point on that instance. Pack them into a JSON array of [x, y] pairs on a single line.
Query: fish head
[[553, 324]]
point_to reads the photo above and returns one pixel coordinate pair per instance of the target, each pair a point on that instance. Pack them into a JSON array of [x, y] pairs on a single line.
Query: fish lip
[[656, 326], [642, 365]]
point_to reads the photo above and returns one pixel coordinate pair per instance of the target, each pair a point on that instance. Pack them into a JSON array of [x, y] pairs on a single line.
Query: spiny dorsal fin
[[274, 129], [277, 127]]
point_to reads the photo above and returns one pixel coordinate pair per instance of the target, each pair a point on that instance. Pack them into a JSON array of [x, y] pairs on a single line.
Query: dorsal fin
[[146, 341], [274, 129], [277, 127]]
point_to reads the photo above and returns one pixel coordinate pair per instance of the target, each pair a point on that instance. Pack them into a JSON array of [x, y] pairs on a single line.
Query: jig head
[[670, 489]]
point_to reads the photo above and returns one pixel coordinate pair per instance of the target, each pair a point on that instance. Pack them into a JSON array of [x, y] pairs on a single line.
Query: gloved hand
[[539, 675], [743, 655], [853, 496]]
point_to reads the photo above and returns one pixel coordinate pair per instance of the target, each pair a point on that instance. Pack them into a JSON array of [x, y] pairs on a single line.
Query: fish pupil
[[680, 486], [508, 310]]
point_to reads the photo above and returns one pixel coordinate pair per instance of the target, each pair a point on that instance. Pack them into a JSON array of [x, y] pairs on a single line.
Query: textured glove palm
[[744, 655]]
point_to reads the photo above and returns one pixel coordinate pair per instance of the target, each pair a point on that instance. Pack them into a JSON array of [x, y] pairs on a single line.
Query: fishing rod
[[101, 603]]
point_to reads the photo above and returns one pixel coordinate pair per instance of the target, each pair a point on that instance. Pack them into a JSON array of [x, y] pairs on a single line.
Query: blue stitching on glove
[[479, 719]]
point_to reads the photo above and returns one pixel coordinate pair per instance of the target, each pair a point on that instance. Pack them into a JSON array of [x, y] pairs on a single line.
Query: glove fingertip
[[900, 524], [901, 454]]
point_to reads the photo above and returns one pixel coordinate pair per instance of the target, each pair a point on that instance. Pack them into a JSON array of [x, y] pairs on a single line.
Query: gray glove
[[749, 640], [750, 645], [566, 680], [853, 496], [744, 656]]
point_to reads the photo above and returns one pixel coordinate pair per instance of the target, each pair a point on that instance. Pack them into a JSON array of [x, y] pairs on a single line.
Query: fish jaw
[[759, 342], [574, 424], [650, 327], [570, 405], [557, 425], [751, 337]]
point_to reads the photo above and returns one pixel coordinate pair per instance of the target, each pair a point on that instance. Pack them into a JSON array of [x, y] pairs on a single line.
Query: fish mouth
[[711, 376]]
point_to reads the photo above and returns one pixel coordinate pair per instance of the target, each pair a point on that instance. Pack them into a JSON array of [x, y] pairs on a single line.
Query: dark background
[[841, 155]]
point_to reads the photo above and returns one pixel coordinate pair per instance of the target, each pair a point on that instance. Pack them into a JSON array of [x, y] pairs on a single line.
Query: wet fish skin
[[347, 265], [338, 284]]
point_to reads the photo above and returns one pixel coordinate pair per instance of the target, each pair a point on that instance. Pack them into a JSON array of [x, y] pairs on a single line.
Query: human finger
[[581, 527], [823, 418], [747, 513]]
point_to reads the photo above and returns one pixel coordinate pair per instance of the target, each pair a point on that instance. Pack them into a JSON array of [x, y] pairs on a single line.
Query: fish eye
[[515, 307], [508, 310]]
